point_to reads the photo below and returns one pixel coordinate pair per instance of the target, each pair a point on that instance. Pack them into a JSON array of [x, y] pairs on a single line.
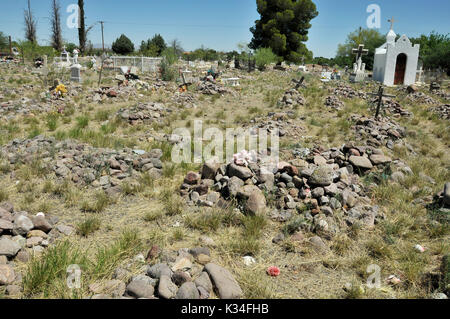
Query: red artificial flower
[[273, 271]]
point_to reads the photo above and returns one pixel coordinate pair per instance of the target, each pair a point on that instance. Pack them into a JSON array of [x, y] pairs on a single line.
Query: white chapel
[[396, 62]]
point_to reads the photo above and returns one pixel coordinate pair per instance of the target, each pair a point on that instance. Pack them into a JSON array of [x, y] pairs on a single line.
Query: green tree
[[264, 56], [158, 42], [434, 50], [283, 27], [123, 45], [371, 38]]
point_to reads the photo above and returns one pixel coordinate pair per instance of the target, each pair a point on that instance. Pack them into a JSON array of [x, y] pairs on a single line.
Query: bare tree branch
[[30, 25], [57, 41]]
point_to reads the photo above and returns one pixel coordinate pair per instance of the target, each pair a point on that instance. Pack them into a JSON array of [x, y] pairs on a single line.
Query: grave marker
[[380, 94], [359, 68]]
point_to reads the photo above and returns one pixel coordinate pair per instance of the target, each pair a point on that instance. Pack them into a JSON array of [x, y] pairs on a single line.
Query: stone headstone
[[75, 73]]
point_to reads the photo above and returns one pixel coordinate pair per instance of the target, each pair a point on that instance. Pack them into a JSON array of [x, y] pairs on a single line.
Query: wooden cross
[[392, 22], [380, 99], [360, 51], [299, 83]]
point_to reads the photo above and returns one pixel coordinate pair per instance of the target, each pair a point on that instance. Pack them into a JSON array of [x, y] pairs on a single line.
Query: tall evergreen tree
[[283, 27], [123, 45]]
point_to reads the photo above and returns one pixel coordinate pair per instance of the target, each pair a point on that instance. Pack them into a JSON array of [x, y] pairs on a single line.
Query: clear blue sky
[[221, 24]]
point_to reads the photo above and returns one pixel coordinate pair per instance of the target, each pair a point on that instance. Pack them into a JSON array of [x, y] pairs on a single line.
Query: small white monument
[[359, 68], [396, 61], [75, 69]]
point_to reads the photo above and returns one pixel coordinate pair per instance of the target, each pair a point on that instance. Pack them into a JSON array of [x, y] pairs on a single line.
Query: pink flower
[[273, 271]]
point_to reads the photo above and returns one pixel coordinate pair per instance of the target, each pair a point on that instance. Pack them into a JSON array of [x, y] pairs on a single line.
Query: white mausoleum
[[395, 62]]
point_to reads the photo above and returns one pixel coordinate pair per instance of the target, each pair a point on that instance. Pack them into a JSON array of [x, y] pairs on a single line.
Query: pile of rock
[[441, 94], [291, 98], [281, 121], [316, 189], [443, 111], [347, 91], [22, 236], [420, 97], [210, 88], [334, 102], [391, 107], [382, 131], [24, 106], [183, 274], [184, 99], [82, 163], [144, 113]]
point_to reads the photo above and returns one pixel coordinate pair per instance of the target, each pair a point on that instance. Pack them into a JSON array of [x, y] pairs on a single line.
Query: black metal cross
[[360, 51], [380, 99], [299, 83]]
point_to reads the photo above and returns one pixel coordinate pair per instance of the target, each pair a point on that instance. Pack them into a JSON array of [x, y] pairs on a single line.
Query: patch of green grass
[[99, 203], [46, 275], [82, 121], [109, 257], [88, 226]]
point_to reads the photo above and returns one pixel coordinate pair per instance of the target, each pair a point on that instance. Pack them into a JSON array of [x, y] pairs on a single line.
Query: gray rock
[[361, 162], [234, 184], [188, 290], [318, 245], [256, 203], [398, 177], [41, 223], [166, 288], [199, 250], [227, 286], [66, 230], [7, 275], [204, 281], [158, 270], [140, 289], [22, 225], [210, 169], [241, 172], [321, 176], [378, 159], [6, 225], [8, 247], [13, 290]]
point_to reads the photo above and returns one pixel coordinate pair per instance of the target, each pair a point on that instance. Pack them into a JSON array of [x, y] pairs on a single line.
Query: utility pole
[[10, 45], [103, 38]]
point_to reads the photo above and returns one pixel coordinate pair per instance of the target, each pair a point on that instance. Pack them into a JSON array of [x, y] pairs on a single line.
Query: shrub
[[265, 56]]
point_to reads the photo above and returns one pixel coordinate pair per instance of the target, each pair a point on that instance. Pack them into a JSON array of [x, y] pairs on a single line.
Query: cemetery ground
[[112, 228]]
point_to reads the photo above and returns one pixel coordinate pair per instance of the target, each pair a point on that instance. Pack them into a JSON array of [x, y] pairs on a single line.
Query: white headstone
[[359, 68]]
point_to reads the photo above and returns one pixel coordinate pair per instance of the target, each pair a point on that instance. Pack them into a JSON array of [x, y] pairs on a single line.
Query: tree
[[82, 33], [434, 50], [154, 46], [283, 27], [123, 45], [30, 25], [57, 41], [158, 42], [371, 38]]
